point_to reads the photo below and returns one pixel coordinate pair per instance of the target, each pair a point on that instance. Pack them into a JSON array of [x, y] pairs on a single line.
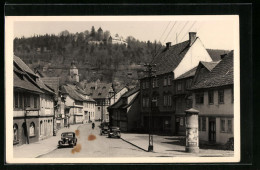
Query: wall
[[215, 109], [219, 111], [134, 115], [196, 53], [46, 105], [21, 136], [46, 127]]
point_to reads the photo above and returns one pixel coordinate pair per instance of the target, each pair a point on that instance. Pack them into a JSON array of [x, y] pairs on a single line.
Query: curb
[[134, 145]]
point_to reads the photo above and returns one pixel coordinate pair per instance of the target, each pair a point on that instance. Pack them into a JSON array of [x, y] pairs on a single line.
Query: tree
[[93, 32], [106, 35]]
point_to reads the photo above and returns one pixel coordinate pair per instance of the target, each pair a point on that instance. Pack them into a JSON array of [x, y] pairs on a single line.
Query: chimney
[[222, 56], [192, 37], [168, 44]]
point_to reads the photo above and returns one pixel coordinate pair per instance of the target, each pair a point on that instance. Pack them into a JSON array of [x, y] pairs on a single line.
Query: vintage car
[[114, 132], [68, 139], [104, 128]]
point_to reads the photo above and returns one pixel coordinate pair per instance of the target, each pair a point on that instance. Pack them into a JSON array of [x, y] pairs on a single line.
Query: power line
[[183, 28], [165, 30], [188, 30], [164, 40]]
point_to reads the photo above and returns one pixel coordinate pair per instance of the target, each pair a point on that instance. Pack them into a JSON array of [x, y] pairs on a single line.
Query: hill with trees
[[95, 56]]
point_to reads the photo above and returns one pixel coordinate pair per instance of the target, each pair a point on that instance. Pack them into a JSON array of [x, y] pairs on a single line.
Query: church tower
[[74, 74]]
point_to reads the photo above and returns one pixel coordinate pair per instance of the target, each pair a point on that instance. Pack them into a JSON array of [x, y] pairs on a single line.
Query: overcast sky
[[215, 34]]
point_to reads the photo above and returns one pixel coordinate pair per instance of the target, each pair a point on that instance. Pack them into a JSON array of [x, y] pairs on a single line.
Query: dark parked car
[[114, 132], [68, 139], [104, 128]]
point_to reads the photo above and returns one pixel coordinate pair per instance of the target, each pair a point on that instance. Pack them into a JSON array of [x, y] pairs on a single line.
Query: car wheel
[[75, 143], [109, 136]]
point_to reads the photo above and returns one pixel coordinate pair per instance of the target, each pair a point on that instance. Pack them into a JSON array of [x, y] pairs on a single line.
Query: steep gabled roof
[[98, 91], [71, 92], [169, 58], [23, 66], [210, 65], [216, 54], [23, 82], [131, 92], [221, 75], [187, 74], [53, 82]]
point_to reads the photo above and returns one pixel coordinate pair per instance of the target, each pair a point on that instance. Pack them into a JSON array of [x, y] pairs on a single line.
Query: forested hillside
[[95, 57]]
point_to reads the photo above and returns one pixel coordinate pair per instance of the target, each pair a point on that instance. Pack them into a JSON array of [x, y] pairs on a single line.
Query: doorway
[[212, 129]]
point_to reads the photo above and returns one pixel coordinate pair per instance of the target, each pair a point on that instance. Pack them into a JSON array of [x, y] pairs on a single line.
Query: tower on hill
[[73, 74]]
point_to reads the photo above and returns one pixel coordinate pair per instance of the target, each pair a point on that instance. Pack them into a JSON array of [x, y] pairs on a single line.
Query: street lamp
[[150, 72]]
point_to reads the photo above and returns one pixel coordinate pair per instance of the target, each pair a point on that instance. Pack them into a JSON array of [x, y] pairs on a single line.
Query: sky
[[214, 33]]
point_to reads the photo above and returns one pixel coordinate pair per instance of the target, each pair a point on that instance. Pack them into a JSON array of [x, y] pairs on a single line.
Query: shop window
[[221, 96], [229, 126], [16, 99], [32, 129], [15, 127], [203, 128], [199, 97], [211, 96], [222, 125]]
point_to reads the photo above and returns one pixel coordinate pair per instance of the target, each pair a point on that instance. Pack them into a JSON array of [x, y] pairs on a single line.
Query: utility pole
[[150, 71]]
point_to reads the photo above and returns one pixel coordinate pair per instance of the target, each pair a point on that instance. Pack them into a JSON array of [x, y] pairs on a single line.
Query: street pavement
[[92, 144]]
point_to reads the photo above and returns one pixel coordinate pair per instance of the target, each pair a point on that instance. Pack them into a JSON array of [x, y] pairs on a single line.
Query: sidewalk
[[170, 145], [41, 147]]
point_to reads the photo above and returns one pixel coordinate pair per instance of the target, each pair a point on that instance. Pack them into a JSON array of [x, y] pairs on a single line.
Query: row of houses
[[186, 76]]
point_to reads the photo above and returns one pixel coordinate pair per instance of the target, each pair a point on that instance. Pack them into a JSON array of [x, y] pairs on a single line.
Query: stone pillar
[[192, 133]]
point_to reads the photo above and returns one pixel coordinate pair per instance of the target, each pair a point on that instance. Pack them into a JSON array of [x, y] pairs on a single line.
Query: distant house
[[213, 94], [116, 40], [33, 105], [79, 108], [125, 113], [171, 63], [118, 94], [101, 93]]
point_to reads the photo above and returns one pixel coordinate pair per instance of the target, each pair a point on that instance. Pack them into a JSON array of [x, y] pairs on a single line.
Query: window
[[222, 125], [15, 127], [20, 100], [155, 101], [35, 101], [143, 85], [154, 80], [143, 102], [211, 96], [147, 102], [98, 108], [221, 96], [16, 99], [147, 84], [169, 100], [32, 129], [179, 86], [169, 80], [181, 121], [165, 81], [28, 102], [188, 83], [229, 126], [165, 100], [80, 110], [199, 97]]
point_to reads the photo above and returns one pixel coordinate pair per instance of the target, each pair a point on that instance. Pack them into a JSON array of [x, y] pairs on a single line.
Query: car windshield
[[67, 135]]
